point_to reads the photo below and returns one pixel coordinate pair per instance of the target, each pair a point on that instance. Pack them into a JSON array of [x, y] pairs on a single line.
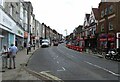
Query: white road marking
[[102, 68], [57, 62], [63, 69]]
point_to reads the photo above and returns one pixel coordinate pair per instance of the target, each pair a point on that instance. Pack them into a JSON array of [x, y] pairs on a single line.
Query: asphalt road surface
[[68, 64]]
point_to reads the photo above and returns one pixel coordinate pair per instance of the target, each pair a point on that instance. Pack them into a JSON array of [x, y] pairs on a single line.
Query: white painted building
[[9, 30]]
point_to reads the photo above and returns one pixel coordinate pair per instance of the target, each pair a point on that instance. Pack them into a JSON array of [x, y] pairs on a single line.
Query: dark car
[[55, 43]]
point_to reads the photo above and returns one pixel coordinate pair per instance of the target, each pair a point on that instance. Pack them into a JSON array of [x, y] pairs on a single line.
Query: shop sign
[[111, 39], [105, 39], [6, 20], [19, 32], [25, 34]]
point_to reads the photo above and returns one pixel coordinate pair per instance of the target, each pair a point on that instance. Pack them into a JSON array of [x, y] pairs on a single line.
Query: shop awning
[[1, 36]]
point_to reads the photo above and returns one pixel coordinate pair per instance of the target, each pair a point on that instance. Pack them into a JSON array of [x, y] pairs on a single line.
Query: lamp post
[[66, 31]]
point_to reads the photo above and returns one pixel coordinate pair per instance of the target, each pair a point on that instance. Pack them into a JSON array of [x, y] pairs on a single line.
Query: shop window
[[110, 26], [102, 28], [102, 13]]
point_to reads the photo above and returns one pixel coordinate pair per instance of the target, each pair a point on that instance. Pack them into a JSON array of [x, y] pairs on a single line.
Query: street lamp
[[66, 31]]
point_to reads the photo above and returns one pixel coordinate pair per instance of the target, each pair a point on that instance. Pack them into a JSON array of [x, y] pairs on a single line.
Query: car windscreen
[[44, 41]]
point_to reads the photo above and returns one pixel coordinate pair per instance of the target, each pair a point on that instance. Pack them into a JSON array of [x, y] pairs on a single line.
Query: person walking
[[28, 48], [13, 51], [4, 57]]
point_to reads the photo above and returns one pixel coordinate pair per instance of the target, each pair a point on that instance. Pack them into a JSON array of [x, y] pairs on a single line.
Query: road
[[68, 64]]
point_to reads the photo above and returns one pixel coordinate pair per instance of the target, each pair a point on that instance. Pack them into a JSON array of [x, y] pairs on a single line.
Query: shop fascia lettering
[[6, 21], [10, 24], [18, 31]]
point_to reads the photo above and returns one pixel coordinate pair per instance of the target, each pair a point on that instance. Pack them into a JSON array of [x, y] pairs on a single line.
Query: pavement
[[19, 73]]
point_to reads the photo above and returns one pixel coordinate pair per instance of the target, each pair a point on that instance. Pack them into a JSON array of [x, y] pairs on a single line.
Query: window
[[111, 9], [106, 11], [110, 26], [11, 10], [102, 13], [102, 28], [17, 4]]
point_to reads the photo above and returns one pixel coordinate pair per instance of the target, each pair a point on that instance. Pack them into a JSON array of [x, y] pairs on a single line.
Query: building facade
[[109, 24], [10, 30]]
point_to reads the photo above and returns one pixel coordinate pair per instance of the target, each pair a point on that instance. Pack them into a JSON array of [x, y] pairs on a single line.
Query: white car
[[45, 43]]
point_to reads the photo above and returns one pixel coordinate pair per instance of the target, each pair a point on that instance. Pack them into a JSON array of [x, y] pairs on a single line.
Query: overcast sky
[[62, 14]]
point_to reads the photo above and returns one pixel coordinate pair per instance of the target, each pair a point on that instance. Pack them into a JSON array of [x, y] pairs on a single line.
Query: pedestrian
[[28, 47], [4, 56], [13, 51]]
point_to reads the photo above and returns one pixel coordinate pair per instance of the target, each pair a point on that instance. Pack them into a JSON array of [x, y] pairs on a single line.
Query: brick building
[[109, 25]]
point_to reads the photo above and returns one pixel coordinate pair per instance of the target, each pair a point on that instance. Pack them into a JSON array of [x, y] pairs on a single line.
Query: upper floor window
[[17, 4], [92, 21], [106, 11], [110, 26], [102, 28], [102, 13], [111, 9], [11, 9]]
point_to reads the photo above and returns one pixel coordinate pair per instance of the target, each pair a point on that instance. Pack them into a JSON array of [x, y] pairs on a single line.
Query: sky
[[62, 14]]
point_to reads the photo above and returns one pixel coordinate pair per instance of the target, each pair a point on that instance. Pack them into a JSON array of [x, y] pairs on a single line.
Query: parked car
[[45, 43], [55, 43]]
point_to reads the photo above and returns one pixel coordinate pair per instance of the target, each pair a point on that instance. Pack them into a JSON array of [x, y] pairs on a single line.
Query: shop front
[[107, 41], [93, 42], [19, 37], [6, 26]]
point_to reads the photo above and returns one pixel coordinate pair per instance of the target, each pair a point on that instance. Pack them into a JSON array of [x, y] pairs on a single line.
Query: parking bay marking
[[103, 69]]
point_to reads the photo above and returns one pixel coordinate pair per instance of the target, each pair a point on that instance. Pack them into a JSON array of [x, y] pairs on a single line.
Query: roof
[[96, 12]]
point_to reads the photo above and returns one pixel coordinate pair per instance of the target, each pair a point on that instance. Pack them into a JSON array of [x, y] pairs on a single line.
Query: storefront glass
[[5, 38], [11, 39], [19, 41]]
